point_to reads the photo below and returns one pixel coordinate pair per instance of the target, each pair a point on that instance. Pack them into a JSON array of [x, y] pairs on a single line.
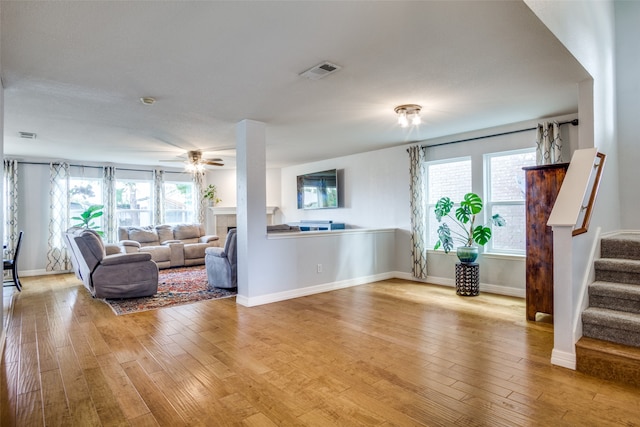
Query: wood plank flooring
[[391, 353]]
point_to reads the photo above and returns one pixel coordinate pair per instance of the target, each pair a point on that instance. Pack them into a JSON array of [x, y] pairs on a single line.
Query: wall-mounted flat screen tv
[[318, 190]]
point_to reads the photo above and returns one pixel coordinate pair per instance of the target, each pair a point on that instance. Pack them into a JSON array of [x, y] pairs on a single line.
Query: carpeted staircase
[[610, 346]]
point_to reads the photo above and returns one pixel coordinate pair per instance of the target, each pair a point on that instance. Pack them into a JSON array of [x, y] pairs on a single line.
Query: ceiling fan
[[195, 162]]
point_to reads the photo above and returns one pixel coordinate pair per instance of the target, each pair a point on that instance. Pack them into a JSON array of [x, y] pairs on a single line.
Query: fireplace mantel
[[231, 210], [224, 217]]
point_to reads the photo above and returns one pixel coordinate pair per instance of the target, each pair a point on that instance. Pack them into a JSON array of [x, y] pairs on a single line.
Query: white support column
[[564, 353], [251, 204], [562, 219]]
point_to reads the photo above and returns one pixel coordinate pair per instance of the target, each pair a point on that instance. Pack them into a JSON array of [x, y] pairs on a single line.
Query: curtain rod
[[100, 167], [574, 122]]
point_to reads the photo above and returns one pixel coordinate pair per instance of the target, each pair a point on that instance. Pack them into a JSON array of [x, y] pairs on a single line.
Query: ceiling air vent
[[27, 135], [321, 70]]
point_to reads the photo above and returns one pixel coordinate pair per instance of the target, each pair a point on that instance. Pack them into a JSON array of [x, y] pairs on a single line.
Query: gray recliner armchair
[[222, 263], [110, 276]]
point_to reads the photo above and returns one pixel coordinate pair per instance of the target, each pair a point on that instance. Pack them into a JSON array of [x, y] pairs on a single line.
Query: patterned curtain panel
[[158, 199], [418, 210], [109, 219], [57, 257], [201, 202], [548, 144], [10, 179]]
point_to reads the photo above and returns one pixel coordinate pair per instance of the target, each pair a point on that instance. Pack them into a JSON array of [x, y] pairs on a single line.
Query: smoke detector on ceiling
[[321, 70]]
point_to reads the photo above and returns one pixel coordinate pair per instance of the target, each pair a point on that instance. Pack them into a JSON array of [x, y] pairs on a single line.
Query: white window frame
[[489, 203], [193, 211], [430, 206], [72, 212], [151, 202]]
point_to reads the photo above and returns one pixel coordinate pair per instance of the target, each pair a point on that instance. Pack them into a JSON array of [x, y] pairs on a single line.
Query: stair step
[[611, 325], [623, 245], [617, 270], [609, 361], [615, 296]]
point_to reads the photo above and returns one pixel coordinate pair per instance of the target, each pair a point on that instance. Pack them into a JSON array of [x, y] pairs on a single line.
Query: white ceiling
[[73, 73]]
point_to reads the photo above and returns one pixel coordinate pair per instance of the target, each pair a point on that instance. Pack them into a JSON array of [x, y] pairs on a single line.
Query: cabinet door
[[542, 184]]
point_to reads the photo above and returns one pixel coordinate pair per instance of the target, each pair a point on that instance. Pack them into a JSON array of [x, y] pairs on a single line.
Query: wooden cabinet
[[542, 187]]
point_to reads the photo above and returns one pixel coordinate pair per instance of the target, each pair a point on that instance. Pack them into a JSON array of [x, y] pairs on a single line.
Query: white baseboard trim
[[326, 287], [503, 290], [41, 272], [484, 287], [311, 290], [564, 359]]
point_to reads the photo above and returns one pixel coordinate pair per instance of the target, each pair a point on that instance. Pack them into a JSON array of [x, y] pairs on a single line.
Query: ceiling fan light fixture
[[194, 167], [194, 162], [408, 113]]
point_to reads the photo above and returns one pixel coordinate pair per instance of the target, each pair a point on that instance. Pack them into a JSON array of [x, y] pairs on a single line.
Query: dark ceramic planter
[[467, 254]]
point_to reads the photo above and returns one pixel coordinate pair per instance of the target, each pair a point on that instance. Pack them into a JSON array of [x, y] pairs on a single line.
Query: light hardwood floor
[[389, 353]]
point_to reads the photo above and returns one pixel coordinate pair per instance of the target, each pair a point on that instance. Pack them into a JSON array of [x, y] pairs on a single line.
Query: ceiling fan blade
[[219, 148], [213, 160], [208, 162], [173, 140], [174, 160], [227, 151]]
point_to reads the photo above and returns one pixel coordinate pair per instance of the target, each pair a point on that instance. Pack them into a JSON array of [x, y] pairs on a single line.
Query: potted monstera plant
[[464, 230]]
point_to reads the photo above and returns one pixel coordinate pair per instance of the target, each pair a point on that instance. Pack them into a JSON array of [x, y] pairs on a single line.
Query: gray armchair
[[110, 276], [222, 263]]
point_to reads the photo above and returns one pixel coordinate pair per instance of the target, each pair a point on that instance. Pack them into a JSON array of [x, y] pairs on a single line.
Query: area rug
[[175, 286]]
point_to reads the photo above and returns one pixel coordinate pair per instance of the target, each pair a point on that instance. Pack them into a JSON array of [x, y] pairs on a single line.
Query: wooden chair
[[12, 264]]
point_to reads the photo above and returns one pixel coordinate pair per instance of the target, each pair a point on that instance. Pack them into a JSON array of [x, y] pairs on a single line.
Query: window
[[450, 178], [84, 192], [506, 196], [134, 204], [179, 202]]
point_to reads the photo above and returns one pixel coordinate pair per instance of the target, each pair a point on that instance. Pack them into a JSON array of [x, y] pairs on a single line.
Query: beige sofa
[[169, 245]]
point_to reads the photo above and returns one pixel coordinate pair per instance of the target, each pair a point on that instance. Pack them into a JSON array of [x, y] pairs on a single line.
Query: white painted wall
[[587, 30], [276, 267], [226, 183], [627, 14], [374, 190], [289, 264]]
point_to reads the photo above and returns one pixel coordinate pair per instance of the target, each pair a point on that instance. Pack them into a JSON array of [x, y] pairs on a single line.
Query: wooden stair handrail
[[592, 197]]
